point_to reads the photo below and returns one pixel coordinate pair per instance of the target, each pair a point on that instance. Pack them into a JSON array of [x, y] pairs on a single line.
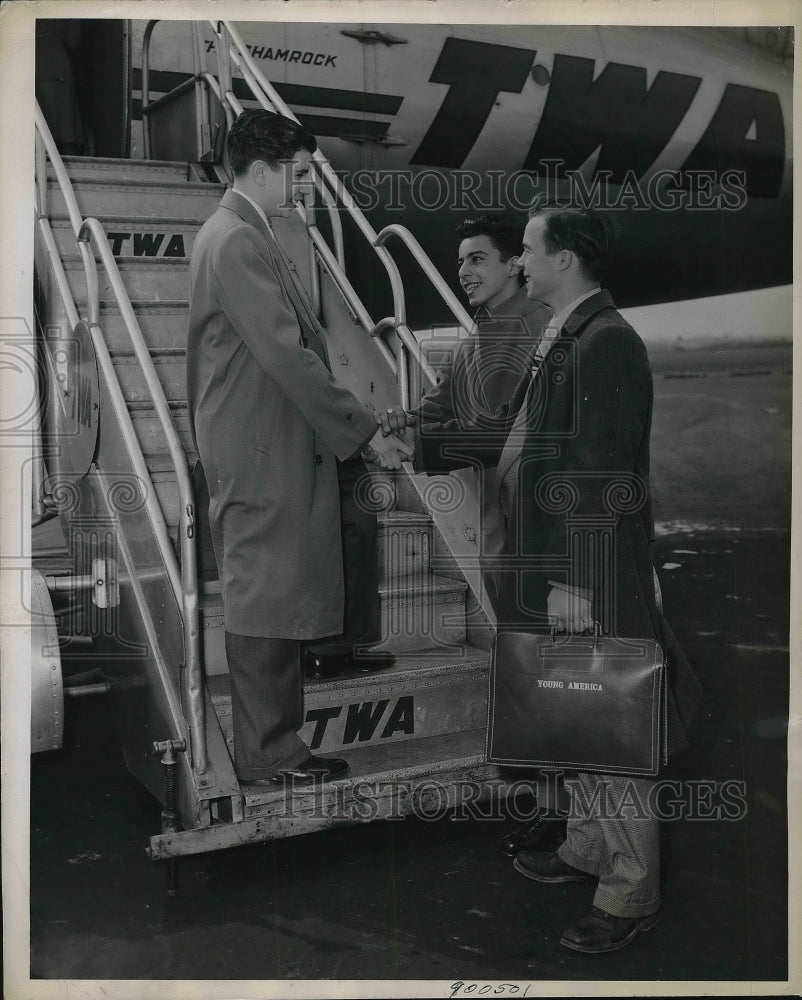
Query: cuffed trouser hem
[[245, 773], [612, 904]]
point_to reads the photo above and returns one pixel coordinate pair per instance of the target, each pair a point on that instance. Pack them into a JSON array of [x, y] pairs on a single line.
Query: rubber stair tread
[[161, 462], [110, 305], [434, 661], [118, 161], [145, 405], [404, 760], [155, 352], [430, 584], [405, 517], [62, 220], [110, 183], [75, 261]]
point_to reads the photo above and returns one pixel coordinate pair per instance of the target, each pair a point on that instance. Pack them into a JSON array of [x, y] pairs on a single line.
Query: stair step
[[144, 200], [170, 365], [135, 238], [163, 324], [405, 544], [149, 429], [385, 780], [151, 278], [121, 171], [423, 613], [431, 693], [423, 610]]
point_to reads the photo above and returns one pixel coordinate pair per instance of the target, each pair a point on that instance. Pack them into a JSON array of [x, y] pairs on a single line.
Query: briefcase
[[577, 703]]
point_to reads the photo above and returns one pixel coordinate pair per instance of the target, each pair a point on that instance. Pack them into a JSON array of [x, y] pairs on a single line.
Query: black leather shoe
[[599, 931], [541, 833], [319, 665], [372, 659], [548, 868], [315, 769]]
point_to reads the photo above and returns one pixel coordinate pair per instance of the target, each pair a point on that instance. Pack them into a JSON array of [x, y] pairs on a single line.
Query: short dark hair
[[263, 135], [503, 232], [582, 231]]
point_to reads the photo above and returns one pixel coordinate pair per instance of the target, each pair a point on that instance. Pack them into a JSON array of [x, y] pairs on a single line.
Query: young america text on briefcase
[[578, 702]]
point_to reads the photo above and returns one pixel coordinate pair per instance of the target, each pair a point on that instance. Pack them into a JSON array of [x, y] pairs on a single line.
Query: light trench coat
[[269, 421]]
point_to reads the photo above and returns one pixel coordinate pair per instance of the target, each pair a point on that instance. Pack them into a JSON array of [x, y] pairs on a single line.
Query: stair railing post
[[201, 108], [188, 589], [146, 87]]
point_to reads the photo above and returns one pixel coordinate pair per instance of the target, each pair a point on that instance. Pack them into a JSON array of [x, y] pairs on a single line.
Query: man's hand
[[387, 451], [569, 611], [396, 420]]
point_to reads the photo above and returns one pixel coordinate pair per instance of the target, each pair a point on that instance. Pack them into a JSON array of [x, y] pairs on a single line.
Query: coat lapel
[[585, 311], [311, 332]]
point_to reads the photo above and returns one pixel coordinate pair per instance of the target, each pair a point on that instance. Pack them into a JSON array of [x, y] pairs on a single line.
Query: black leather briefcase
[[578, 703]]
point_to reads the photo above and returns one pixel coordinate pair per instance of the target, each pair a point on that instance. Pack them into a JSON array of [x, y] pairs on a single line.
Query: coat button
[[318, 459]]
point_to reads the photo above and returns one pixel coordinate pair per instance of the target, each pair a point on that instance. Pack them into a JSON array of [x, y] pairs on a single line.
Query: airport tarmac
[[434, 900]]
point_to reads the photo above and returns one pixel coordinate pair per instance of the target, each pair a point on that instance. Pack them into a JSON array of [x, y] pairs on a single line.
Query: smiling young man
[[486, 372], [486, 368]]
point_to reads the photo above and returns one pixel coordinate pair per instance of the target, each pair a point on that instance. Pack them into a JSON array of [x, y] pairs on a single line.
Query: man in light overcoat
[[270, 422]]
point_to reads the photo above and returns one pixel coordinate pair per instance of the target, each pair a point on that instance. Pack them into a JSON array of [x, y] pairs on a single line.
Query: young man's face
[[487, 279], [539, 267], [280, 187]]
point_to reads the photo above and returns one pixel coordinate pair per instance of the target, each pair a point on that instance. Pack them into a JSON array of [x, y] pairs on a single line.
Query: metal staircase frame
[[188, 715], [183, 581]]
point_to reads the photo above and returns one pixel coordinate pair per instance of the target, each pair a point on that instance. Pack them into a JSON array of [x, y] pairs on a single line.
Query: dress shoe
[[548, 868], [539, 834], [599, 931], [370, 660], [313, 769], [319, 665]]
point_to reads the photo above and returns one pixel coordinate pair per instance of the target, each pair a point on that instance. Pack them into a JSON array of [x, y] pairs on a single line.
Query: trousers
[[613, 833], [362, 612], [267, 704]]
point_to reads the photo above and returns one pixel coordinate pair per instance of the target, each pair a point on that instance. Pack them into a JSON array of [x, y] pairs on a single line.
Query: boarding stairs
[[414, 730]]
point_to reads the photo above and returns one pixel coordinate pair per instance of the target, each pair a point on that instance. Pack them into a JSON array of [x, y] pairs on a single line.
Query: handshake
[[394, 441]]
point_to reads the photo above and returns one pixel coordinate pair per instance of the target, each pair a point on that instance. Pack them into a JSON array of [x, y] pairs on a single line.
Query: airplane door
[[104, 82]]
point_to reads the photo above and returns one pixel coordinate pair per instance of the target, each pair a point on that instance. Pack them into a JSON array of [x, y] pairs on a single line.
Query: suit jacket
[[584, 467], [269, 421]]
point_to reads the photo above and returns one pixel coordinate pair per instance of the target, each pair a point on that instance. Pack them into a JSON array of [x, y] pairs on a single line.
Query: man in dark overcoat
[[576, 429], [270, 422]]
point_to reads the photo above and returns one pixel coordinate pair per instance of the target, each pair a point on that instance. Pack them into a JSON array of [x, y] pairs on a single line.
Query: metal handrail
[[146, 86], [196, 81], [267, 95], [425, 261], [348, 292], [186, 588], [272, 102], [267, 92]]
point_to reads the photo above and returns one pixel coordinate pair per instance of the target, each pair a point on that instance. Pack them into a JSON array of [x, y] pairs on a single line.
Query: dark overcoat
[[581, 514], [269, 420]]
